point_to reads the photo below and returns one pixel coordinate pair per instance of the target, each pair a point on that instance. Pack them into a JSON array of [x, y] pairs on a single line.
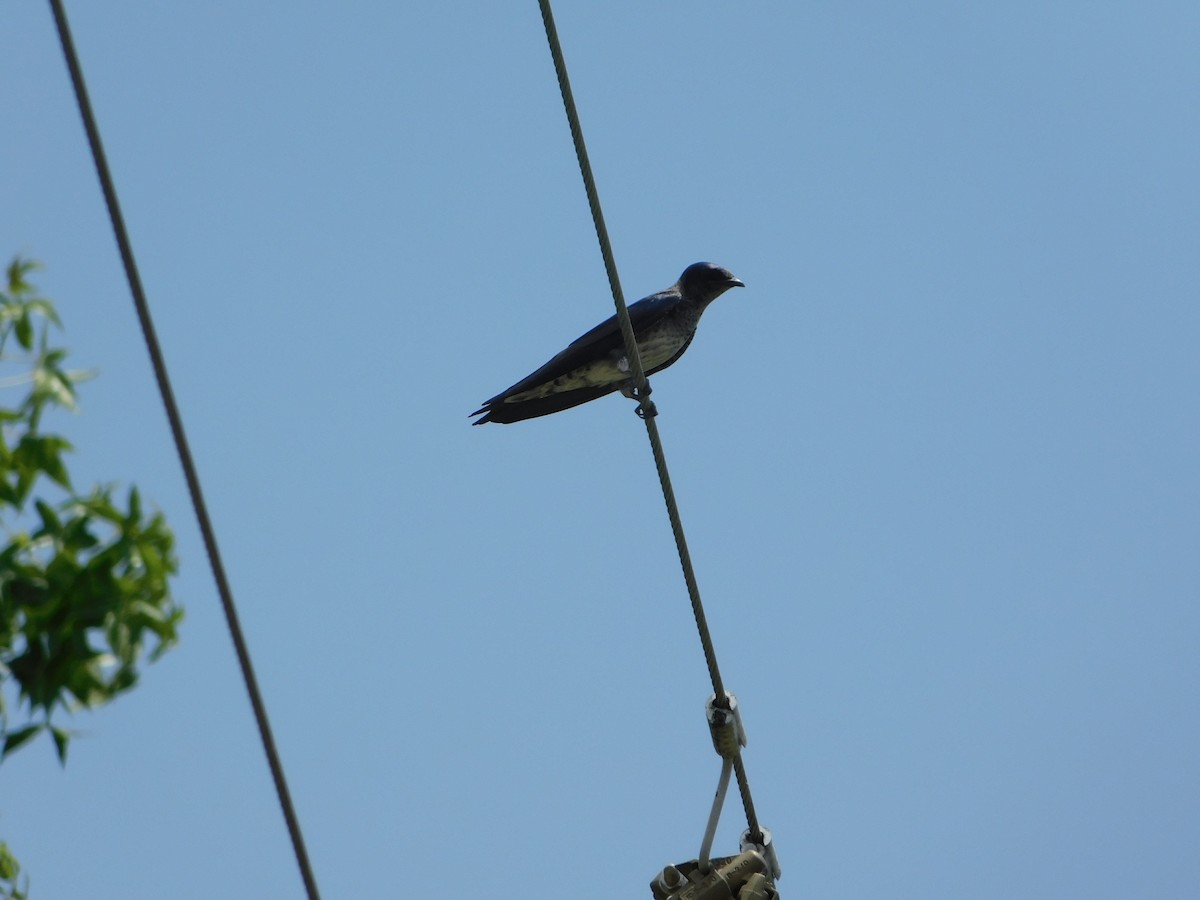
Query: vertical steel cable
[[642, 392], [182, 447]]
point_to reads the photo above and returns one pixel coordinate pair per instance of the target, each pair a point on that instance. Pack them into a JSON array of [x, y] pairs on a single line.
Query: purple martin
[[595, 364]]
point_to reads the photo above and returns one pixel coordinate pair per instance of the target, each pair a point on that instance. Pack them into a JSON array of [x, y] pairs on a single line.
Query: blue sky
[[937, 462]]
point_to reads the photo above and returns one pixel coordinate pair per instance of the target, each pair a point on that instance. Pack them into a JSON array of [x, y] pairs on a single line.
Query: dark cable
[[181, 445], [642, 393], [585, 168]]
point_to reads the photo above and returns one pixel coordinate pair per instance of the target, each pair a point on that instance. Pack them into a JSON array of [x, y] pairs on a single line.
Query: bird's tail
[[506, 413]]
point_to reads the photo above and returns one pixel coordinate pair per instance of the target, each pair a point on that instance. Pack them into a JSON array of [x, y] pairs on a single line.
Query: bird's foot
[[645, 406]]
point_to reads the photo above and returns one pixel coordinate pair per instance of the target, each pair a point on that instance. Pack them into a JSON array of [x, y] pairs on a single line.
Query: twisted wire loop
[[182, 447], [641, 392]]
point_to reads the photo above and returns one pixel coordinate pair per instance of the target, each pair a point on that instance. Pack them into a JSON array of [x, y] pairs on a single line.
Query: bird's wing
[[507, 413], [603, 339]]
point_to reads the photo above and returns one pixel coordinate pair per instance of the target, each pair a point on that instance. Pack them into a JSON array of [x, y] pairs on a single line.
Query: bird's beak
[[736, 282]]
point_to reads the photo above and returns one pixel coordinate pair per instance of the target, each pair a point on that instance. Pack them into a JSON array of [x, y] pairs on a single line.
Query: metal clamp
[[742, 877], [725, 724], [728, 737], [766, 848]]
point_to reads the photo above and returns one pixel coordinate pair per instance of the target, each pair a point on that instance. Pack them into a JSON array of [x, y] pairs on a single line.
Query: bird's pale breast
[[655, 346]]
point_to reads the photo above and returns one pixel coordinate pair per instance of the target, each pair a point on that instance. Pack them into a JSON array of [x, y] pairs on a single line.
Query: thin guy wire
[[589, 183], [643, 396], [181, 445]]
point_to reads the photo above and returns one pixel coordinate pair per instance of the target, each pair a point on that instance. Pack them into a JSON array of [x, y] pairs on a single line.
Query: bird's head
[[706, 282]]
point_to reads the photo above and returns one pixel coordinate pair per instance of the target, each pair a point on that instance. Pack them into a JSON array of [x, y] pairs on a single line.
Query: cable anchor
[[728, 737], [742, 877], [751, 874]]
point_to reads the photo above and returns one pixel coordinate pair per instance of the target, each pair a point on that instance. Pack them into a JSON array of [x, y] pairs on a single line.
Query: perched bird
[[595, 364]]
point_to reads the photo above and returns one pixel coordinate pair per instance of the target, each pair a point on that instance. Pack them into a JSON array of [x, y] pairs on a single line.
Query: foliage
[[10, 875], [83, 577]]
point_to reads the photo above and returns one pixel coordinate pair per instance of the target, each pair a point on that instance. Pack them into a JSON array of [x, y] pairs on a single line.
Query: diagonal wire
[[181, 445], [642, 393]]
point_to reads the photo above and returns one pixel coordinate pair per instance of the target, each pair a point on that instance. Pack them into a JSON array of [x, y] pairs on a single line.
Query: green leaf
[[23, 328], [61, 738], [52, 466], [14, 739], [51, 384], [51, 524], [36, 454], [17, 270], [9, 867], [84, 584], [135, 507], [10, 870], [51, 358], [44, 308]]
